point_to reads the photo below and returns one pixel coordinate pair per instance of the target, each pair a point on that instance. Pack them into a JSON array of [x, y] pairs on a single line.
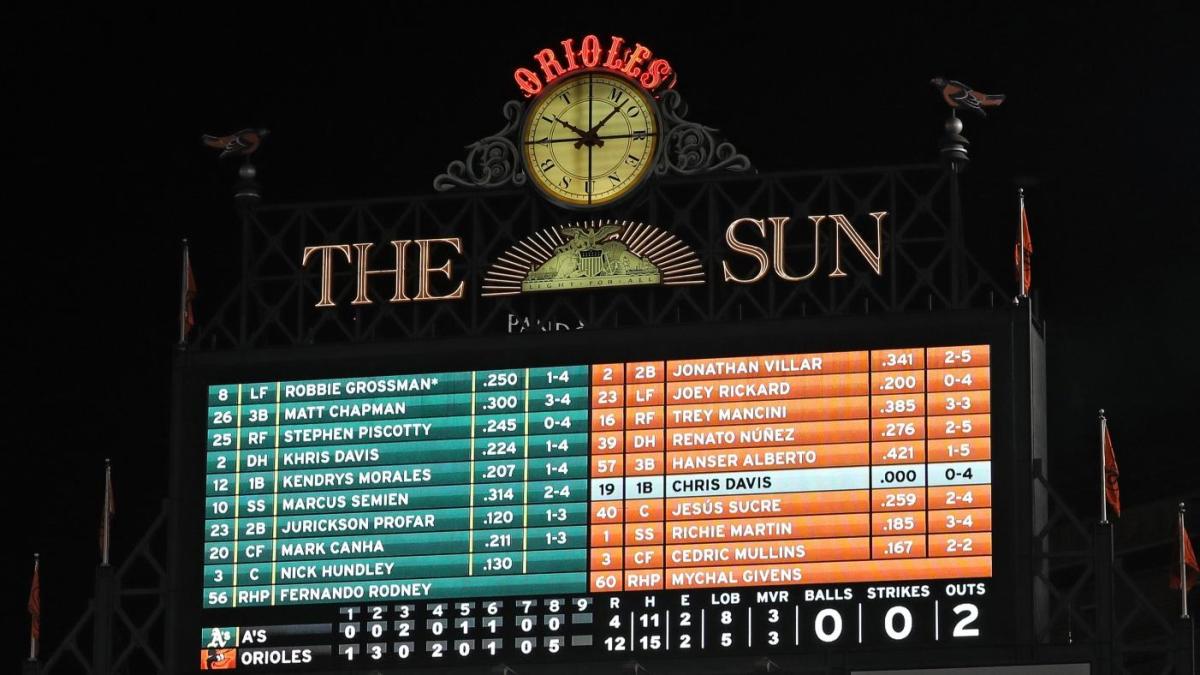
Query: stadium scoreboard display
[[537, 505]]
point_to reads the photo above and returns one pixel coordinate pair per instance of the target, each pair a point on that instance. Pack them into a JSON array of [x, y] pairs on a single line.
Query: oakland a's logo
[[593, 255]]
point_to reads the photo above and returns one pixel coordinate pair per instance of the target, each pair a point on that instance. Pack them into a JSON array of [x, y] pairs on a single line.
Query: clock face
[[590, 139]]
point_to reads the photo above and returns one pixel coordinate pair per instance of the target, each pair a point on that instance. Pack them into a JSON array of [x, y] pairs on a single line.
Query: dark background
[[106, 175]]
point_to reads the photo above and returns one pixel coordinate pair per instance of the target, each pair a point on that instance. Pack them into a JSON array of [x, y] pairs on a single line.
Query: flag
[[1189, 561], [1112, 491], [107, 511], [1023, 253], [189, 314], [187, 292], [35, 611]]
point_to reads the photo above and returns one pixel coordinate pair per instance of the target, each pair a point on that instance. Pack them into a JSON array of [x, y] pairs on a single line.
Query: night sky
[[106, 174]]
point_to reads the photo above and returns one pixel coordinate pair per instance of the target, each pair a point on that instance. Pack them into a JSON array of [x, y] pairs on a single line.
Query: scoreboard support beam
[[1102, 551], [1183, 651], [105, 613], [179, 369]]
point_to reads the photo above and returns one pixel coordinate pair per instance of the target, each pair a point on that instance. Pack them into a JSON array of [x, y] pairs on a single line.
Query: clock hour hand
[[584, 137]]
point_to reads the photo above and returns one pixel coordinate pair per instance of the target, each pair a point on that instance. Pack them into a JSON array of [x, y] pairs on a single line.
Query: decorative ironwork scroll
[[491, 162]]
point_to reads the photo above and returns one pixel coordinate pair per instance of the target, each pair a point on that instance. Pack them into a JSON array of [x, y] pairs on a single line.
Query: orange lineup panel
[[645, 371], [897, 429], [971, 543], [960, 449], [686, 370], [959, 379], [768, 388], [898, 522], [889, 548], [766, 529], [644, 557], [898, 382], [898, 359], [646, 417], [649, 580], [788, 551], [799, 410], [959, 402], [644, 441], [611, 419], [608, 373], [605, 558], [955, 497], [613, 443], [898, 405], [759, 435], [765, 459], [845, 572], [958, 356], [605, 582], [906, 452], [956, 426], [612, 511], [644, 510], [606, 535], [608, 397], [980, 520], [645, 394], [757, 506], [607, 466], [898, 499]]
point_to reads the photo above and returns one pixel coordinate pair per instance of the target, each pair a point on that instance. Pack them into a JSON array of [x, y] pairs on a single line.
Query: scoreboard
[[673, 501]]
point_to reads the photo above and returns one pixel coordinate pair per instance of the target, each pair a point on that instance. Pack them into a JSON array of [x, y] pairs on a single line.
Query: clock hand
[[592, 132], [584, 137], [572, 127]]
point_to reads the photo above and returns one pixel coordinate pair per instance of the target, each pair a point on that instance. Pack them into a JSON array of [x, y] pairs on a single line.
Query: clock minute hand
[[614, 111]]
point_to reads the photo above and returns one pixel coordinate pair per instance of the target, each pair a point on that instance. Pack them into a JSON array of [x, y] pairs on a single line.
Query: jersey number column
[[607, 473]]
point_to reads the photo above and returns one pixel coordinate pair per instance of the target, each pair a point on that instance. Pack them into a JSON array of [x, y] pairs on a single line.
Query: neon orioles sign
[[636, 63]]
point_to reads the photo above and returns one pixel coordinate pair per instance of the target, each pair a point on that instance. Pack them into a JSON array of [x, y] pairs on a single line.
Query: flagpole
[[1183, 586], [1021, 241], [34, 620], [1103, 475], [107, 505], [183, 289]]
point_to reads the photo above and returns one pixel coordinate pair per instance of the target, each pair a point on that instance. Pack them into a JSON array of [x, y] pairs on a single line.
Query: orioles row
[[789, 551], [646, 432], [836, 572], [790, 410], [973, 356], [650, 532], [648, 459], [787, 388], [793, 504]]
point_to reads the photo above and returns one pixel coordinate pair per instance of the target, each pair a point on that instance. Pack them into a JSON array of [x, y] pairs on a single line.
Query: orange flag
[[106, 514], [35, 609], [1112, 491], [190, 294], [1189, 561], [1023, 253], [187, 292]]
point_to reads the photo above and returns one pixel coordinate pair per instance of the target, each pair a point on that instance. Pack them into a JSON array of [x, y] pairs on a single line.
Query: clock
[[590, 139]]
